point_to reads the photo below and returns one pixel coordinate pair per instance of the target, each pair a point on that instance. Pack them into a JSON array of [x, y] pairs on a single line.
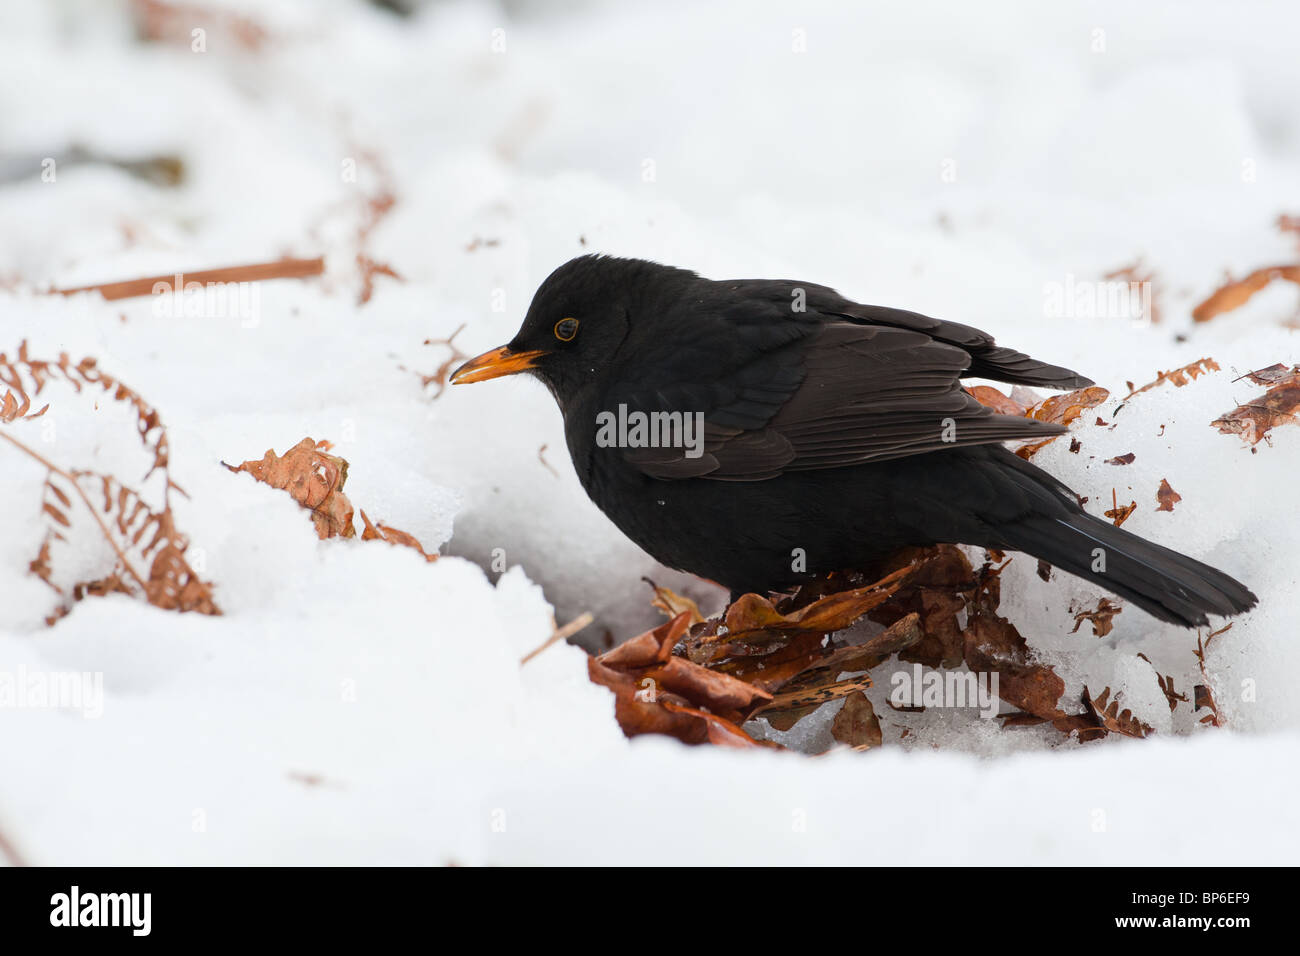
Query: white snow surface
[[354, 704]]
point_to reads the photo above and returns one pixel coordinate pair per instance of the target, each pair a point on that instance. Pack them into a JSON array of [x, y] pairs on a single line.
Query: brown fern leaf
[[140, 537], [25, 377], [314, 479]]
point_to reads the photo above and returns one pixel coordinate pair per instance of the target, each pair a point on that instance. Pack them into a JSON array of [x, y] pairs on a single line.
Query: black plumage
[[832, 434]]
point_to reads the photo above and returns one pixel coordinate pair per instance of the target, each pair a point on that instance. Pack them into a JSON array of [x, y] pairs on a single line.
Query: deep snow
[[354, 704]]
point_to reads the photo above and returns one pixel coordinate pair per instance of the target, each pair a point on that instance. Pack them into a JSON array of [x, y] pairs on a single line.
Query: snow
[[357, 705]]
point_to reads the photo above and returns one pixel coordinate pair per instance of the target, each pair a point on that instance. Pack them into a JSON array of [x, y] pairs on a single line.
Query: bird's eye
[[566, 329]]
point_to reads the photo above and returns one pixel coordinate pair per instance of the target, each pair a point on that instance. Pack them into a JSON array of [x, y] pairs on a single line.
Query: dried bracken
[[1166, 683], [454, 357], [1057, 409], [857, 724], [1202, 695], [383, 532], [1235, 293], [1110, 717], [657, 692], [314, 478], [1279, 405], [167, 21], [1101, 619], [781, 658], [361, 212], [147, 553], [1177, 377], [1166, 497]]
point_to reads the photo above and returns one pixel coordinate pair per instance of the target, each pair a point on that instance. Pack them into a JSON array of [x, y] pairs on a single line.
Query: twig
[[280, 269], [573, 627], [9, 852]]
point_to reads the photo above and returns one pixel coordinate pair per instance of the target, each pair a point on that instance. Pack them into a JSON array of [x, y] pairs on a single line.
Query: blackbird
[[761, 432]]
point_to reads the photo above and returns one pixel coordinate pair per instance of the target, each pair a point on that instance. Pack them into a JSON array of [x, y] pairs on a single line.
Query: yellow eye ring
[[566, 329]]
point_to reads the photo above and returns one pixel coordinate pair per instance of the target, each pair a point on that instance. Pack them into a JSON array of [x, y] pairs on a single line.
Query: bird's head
[[578, 320]]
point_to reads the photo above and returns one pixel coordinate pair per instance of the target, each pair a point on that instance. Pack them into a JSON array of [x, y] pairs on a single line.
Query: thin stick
[[280, 269], [10, 852], [94, 513], [573, 627]]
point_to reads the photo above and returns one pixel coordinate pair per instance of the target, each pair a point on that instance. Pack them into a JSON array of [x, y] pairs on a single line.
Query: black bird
[[761, 432]]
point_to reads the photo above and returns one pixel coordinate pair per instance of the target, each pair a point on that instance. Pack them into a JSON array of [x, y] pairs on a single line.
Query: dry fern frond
[[147, 551]]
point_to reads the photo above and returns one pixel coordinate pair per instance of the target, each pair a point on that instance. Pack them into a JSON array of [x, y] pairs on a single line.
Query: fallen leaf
[[1277, 406], [383, 532], [1178, 377], [1062, 410], [1235, 293], [1166, 496], [314, 479], [655, 692], [672, 604], [1166, 683], [1102, 619], [1111, 717], [856, 724], [992, 398]]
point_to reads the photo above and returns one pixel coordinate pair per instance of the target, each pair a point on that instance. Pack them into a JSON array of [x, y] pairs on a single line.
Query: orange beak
[[494, 364]]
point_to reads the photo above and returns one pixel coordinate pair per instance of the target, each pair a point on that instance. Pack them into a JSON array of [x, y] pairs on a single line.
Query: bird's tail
[[1164, 583]]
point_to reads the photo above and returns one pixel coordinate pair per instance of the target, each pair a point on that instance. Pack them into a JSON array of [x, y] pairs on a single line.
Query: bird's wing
[[988, 359], [841, 393]]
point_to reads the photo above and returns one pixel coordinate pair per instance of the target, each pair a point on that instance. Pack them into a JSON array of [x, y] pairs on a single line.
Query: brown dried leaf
[[1061, 410], [1179, 376], [1235, 293], [992, 398], [1166, 497], [1111, 717], [672, 604], [139, 535], [856, 724], [26, 377], [1166, 683], [1102, 619], [655, 692], [314, 479], [383, 532], [993, 644], [813, 697], [1277, 406], [752, 616]]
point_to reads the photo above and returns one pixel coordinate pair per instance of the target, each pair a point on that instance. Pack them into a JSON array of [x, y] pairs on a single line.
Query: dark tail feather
[[1164, 583], [1008, 365]]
